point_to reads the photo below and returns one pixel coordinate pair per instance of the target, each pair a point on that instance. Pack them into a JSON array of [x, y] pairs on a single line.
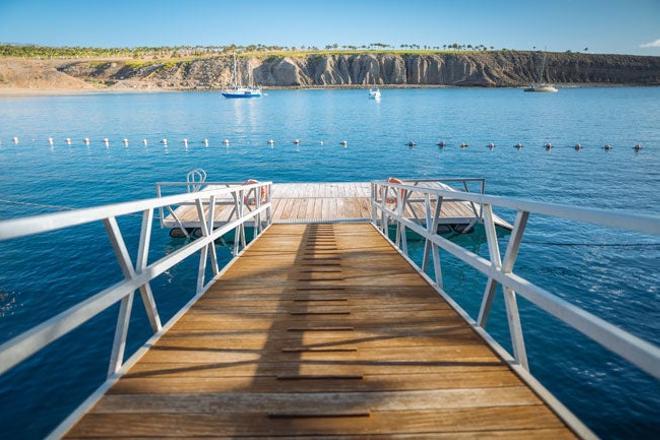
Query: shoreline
[[29, 92]]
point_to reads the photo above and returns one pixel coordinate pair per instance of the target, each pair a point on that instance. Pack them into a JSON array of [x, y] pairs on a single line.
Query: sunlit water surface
[[46, 274]]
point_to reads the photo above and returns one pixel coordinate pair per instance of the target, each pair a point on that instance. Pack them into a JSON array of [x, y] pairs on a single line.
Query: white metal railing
[[388, 201], [445, 183], [192, 185], [136, 276]]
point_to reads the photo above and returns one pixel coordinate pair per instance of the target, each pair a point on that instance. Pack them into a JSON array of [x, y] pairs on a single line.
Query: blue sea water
[[44, 275]]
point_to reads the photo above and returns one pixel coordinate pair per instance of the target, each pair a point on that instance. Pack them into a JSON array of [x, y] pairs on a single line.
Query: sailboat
[[374, 92], [541, 86], [236, 90]]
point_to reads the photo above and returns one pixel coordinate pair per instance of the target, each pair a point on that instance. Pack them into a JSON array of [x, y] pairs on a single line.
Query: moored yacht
[[542, 86], [547, 88], [374, 93], [237, 90]]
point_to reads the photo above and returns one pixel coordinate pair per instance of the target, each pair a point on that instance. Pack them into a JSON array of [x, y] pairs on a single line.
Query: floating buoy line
[[186, 142]]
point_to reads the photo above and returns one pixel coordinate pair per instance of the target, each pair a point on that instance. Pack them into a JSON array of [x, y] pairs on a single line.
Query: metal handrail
[[499, 270], [189, 188], [136, 276]]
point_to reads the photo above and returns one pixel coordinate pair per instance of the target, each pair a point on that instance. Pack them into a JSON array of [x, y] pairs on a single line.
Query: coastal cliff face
[[488, 69]]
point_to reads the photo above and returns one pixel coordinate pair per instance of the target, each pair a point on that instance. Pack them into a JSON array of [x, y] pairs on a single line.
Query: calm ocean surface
[[45, 274]]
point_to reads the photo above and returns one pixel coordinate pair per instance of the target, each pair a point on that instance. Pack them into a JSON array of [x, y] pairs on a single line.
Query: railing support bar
[[124, 260], [510, 302], [237, 231], [209, 229], [142, 260], [203, 253]]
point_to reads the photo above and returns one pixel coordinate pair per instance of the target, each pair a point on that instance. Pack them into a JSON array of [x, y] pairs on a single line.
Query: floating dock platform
[[334, 202]]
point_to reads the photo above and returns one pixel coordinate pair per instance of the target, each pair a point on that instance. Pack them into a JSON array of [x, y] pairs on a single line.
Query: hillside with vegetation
[[210, 67]]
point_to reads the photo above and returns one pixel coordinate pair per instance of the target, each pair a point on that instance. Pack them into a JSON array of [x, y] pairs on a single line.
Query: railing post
[[206, 224], [401, 239], [209, 231], [431, 229], [513, 315], [141, 264], [269, 210], [241, 204], [405, 195], [257, 219], [121, 332], [161, 212], [237, 231], [383, 205], [121, 329]]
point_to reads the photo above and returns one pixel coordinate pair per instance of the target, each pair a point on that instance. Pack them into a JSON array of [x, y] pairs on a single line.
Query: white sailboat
[[236, 90], [541, 86], [374, 93]]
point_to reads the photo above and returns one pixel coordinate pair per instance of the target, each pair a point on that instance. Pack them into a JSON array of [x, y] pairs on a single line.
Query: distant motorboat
[[236, 90], [374, 93], [544, 88]]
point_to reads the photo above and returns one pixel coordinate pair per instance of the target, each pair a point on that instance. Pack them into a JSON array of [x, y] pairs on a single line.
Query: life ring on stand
[[389, 199], [263, 193]]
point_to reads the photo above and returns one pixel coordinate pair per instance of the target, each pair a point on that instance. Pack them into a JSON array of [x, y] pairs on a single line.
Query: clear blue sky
[[606, 26]]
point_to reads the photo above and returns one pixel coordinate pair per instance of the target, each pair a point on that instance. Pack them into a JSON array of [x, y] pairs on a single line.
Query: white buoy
[[145, 142], [607, 147], [86, 141], [106, 141], [548, 146], [321, 143], [50, 141], [163, 141], [68, 141], [344, 143], [518, 146], [578, 147], [296, 141], [205, 142], [185, 142], [15, 140], [226, 142]]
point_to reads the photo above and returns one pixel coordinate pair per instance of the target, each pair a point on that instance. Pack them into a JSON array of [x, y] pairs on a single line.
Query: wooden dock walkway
[[321, 330]]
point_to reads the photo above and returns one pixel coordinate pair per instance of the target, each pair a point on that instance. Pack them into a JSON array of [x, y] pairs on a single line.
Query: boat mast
[[235, 72], [542, 69]]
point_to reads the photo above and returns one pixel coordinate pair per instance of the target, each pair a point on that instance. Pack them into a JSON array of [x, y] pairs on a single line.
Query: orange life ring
[[263, 193], [393, 199]]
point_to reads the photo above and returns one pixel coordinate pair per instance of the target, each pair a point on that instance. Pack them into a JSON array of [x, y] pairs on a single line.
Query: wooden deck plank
[[321, 330]]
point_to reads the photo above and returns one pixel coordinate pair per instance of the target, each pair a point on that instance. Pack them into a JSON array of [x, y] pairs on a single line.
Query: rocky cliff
[[487, 69]]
